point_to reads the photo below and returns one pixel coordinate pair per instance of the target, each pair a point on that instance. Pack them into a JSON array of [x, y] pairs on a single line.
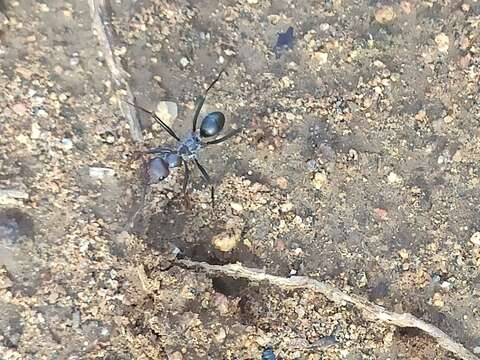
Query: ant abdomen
[[157, 169], [212, 124]]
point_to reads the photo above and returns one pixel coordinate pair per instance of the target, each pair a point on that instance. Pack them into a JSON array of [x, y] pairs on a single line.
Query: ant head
[[212, 124]]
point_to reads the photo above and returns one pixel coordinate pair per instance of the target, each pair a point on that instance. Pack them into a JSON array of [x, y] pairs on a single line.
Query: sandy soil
[[358, 164]]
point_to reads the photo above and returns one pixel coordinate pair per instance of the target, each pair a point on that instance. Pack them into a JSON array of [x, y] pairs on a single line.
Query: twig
[[105, 37], [371, 311]]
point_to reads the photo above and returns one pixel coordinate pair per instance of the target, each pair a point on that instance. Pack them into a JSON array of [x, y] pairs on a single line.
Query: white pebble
[[67, 143], [100, 172], [475, 239], [184, 61]]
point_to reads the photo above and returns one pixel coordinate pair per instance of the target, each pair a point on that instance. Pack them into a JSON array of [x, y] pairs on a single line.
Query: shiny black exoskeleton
[[268, 354], [158, 167]]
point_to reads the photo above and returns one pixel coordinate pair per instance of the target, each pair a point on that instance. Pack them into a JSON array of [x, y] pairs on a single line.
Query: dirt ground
[[358, 164]]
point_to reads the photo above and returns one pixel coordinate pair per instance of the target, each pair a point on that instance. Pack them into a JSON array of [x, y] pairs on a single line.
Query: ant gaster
[[158, 167]]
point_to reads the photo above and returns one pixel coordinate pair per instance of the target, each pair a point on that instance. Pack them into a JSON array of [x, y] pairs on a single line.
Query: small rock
[[403, 254], [41, 113], [475, 238], [319, 180], [12, 193], [24, 72], [236, 206], [167, 111], [443, 42], [380, 213], [19, 109], [476, 350], [177, 355], [67, 144], [100, 172], [221, 303], [76, 319], [280, 245], [286, 207], [438, 300], [5, 281], [323, 343], [320, 57], [446, 285], [282, 183], [184, 62], [324, 27], [465, 61], [311, 165], [252, 2], [221, 335], [394, 178], [227, 240], [384, 14], [406, 7]]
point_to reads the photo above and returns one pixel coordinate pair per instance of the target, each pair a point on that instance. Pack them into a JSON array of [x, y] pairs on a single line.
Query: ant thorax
[[190, 146]]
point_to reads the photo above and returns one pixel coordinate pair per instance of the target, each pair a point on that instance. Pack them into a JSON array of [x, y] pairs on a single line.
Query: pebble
[[320, 57], [384, 15], [319, 180], [35, 131], [5, 282], [76, 319], [24, 72], [227, 240], [438, 300], [286, 207], [394, 178], [380, 213], [221, 303], [221, 335], [100, 172], [443, 42], [236, 206], [175, 356], [406, 7], [311, 165], [41, 113], [475, 238], [184, 62], [67, 143], [12, 193], [282, 183], [403, 254], [167, 111], [19, 109]]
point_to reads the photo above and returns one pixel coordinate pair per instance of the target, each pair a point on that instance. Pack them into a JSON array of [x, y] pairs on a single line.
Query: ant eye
[[212, 124], [157, 170]]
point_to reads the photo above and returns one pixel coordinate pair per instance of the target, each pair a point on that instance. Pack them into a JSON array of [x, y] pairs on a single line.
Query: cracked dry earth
[[358, 165]]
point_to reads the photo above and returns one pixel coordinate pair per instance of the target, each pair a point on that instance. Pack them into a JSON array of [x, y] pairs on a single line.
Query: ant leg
[[207, 179], [185, 184], [158, 150], [202, 100], [223, 138], [157, 119]]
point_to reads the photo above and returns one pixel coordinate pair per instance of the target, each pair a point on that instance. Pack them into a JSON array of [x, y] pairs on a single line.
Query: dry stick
[[105, 37], [371, 311]]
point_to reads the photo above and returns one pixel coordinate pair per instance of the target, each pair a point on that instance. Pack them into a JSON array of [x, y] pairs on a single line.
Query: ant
[[158, 167]]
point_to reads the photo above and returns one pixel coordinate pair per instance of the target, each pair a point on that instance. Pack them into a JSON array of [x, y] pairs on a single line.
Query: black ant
[[158, 167]]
